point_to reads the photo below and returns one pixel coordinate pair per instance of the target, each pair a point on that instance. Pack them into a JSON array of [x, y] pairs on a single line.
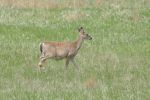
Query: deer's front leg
[[67, 63], [78, 70], [74, 63]]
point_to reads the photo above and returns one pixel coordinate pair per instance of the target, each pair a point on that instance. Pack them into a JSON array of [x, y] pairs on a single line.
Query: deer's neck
[[79, 43]]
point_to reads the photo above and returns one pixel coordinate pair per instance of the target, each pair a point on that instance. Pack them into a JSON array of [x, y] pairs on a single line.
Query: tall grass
[[114, 65]]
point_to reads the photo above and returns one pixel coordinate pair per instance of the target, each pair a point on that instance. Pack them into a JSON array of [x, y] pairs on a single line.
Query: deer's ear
[[79, 29]]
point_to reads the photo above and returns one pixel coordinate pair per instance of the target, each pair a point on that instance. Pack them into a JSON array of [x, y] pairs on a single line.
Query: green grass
[[115, 63]]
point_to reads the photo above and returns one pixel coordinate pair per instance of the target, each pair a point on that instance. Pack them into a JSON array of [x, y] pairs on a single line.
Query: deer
[[63, 50]]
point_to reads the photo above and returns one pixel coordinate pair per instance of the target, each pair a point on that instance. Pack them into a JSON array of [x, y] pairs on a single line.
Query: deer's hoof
[[40, 65]]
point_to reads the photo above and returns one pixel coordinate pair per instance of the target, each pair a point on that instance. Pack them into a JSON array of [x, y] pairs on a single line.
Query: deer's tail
[[41, 48]]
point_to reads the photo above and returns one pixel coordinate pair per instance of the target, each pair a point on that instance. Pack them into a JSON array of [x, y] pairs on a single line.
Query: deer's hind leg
[[43, 58], [41, 61]]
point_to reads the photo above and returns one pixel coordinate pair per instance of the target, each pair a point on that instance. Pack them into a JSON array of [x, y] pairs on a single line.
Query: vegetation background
[[114, 65]]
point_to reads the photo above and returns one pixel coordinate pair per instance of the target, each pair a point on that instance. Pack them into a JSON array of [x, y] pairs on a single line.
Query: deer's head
[[83, 34]]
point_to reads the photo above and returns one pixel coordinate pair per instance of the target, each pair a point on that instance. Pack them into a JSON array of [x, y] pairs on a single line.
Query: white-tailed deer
[[63, 50]]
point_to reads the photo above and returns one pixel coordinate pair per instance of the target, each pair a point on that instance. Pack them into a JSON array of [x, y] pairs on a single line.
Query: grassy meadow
[[115, 65]]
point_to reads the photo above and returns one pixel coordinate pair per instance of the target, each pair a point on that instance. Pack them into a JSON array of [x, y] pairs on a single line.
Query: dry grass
[[74, 15], [90, 83], [29, 3], [49, 4]]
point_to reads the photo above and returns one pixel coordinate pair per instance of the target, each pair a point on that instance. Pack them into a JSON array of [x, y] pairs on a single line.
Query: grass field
[[115, 65]]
